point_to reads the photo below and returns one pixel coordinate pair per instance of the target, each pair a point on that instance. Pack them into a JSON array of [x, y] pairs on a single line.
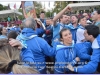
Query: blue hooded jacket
[[40, 31], [3, 37], [98, 40], [91, 67], [48, 36], [37, 45], [73, 31], [83, 51], [56, 29], [17, 29], [43, 21], [64, 55]]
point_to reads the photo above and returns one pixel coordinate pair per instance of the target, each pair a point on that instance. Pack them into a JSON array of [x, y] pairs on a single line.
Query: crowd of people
[[64, 44]]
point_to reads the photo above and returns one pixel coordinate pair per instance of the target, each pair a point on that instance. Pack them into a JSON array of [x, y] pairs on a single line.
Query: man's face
[[64, 19], [83, 22], [68, 19], [86, 15], [74, 19], [51, 21], [87, 37], [42, 15], [94, 16], [12, 24], [66, 37], [4, 30], [48, 22]]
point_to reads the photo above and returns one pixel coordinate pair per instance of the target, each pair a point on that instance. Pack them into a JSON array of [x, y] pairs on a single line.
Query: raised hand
[[14, 42]]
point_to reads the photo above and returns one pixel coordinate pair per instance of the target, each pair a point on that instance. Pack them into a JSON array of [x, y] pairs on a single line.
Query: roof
[[6, 13], [84, 6]]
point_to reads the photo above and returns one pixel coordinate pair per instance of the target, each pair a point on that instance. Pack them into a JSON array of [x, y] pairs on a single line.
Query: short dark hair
[[61, 17], [62, 30], [12, 34], [75, 16], [81, 17], [98, 11], [92, 30], [42, 12]]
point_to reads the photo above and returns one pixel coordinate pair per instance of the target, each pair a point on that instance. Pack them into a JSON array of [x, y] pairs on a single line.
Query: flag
[[15, 6], [28, 9], [8, 7]]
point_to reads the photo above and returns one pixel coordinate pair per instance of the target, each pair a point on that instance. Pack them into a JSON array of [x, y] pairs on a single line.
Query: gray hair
[[29, 23]]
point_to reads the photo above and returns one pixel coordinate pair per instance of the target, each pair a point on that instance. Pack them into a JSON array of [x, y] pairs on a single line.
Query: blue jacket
[[64, 55], [98, 40], [3, 37], [37, 45], [26, 54], [40, 31], [91, 67], [73, 31], [83, 51], [26, 58], [48, 35], [17, 29], [43, 21], [56, 29]]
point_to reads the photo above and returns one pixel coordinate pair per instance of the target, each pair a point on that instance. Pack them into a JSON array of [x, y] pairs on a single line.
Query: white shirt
[[95, 44], [80, 35]]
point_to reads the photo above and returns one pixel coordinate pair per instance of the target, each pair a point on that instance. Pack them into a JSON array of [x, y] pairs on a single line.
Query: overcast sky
[[18, 4]]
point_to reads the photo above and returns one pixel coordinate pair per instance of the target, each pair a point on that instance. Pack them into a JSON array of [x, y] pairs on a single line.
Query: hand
[[77, 59], [38, 21], [70, 67], [14, 42], [68, 8]]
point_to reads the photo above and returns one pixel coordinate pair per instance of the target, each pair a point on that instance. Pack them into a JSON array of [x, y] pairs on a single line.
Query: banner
[[28, 9]]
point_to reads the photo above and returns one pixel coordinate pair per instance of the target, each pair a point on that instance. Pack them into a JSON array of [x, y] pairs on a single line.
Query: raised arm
[[23, 8], [67, 8]]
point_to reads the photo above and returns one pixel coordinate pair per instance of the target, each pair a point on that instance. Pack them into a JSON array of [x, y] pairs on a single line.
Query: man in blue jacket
[[42, 17], [90, 34], [58, 26], [83, 51], [96, 17], [37, 45]]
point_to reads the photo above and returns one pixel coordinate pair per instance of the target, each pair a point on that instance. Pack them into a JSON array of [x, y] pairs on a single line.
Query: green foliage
[[49, 13], [21, 17], [38, 7], [59, 5], [3, 7]]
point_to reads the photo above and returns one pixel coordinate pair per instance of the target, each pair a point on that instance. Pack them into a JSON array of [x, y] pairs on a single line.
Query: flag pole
[[14, 11], [14, 15]]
